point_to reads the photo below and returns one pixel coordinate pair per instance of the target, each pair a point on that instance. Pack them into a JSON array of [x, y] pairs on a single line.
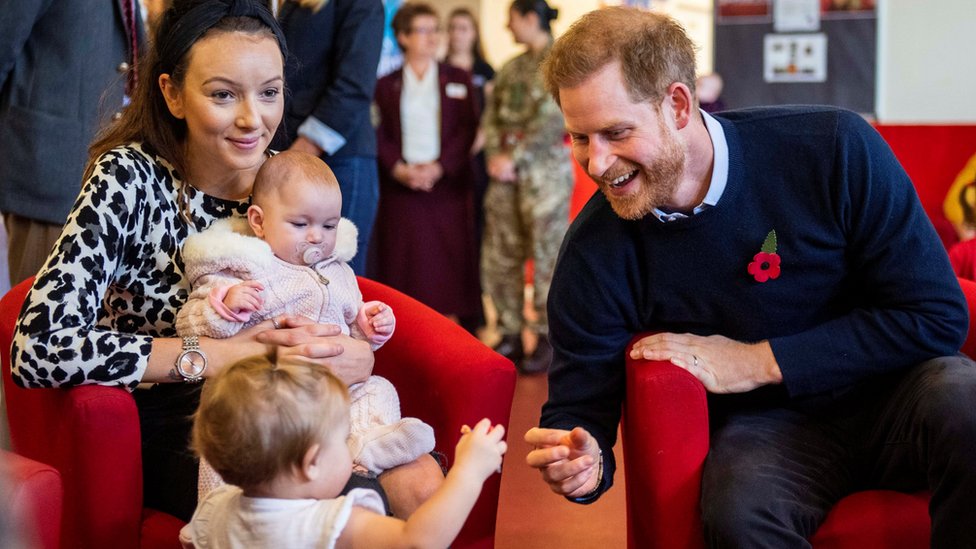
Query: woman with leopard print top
[[183, 155]]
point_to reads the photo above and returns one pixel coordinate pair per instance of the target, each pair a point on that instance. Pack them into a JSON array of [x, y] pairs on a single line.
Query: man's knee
[[946, 391], [743, 515]]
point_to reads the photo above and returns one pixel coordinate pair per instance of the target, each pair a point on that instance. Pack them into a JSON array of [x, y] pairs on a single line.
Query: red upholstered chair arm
[[665, 441], [90, 434], [969, 290], [95, 445], [447, 378], [34, 496]]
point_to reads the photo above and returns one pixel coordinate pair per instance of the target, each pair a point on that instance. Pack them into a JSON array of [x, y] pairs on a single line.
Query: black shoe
[[510, 347], [540, 359]]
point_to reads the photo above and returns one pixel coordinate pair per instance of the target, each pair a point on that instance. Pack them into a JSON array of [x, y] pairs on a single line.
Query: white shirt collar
[[720, 171]]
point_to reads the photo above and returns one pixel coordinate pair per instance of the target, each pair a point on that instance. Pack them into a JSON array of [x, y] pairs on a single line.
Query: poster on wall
[[795, 57], [796, 15], [742, 8], [390, 56], [764, 64], [834, 7]]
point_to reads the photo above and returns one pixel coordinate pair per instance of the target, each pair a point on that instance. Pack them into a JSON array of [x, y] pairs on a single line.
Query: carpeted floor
[[530, 516]]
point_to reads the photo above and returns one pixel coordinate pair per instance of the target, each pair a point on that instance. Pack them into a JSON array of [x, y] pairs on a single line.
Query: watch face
[[192, 364]]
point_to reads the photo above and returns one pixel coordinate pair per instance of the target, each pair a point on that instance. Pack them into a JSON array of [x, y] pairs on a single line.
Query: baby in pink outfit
[[289, 257]]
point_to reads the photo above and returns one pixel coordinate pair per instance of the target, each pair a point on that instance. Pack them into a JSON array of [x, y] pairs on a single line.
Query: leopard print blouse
[[115, 278]]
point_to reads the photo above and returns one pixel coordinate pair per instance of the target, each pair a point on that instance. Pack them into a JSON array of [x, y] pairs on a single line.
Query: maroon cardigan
[[459, 121]]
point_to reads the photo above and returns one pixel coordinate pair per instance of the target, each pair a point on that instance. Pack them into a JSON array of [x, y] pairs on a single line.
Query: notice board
[[780, 52]]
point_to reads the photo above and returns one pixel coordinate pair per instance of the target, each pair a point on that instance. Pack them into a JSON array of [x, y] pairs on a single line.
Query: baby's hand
[[380, 317], [244, 297], [377, 322], [480, 450]]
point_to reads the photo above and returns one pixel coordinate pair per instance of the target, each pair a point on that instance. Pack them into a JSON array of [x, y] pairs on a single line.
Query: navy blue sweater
[[865, 287]]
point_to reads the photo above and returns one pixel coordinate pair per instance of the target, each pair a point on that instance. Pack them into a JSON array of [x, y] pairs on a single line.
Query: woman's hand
[[351, 360], [417, 177], [430, 174]]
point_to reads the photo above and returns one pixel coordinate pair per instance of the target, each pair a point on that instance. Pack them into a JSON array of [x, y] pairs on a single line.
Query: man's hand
[[721, 364], [569, 460], [502, 168]]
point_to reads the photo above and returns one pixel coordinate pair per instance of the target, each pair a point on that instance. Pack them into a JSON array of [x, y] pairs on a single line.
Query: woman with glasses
[[424, 237]]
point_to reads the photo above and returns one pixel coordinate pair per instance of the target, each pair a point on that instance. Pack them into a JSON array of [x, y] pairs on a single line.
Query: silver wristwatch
[[192, 363]]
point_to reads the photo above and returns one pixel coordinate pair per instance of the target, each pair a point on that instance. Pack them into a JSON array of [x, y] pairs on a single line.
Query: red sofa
[[90, 434], [32, 495], [665, 440]]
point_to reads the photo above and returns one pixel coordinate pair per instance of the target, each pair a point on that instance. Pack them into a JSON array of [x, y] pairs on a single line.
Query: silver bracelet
[[599, 479]]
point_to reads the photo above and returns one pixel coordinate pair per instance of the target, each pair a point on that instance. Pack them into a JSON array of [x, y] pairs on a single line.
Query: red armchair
[[90, 434], [665, 440], [32, 495]]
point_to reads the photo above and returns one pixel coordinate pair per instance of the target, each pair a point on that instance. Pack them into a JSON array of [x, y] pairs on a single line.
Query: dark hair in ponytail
[[541, 8]]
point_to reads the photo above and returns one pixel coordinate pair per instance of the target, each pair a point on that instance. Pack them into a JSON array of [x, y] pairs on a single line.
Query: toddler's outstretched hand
[[377, 321], [480, 449]]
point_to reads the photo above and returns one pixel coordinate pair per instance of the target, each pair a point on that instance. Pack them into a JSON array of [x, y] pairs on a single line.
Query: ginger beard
[[656, 182]]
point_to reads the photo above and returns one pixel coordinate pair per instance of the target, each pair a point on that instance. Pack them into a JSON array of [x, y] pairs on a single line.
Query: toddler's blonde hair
[[259, 417]]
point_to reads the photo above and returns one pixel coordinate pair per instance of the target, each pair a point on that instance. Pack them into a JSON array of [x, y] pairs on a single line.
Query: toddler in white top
[[277, 433]]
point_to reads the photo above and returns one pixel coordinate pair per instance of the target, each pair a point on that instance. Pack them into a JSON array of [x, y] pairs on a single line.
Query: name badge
[[456, 91]]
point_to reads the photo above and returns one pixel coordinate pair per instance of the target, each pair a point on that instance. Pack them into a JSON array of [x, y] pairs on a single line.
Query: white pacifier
[[311, 253]]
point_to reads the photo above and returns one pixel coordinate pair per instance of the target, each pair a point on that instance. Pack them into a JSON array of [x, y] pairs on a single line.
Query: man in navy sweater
[[784, 259]]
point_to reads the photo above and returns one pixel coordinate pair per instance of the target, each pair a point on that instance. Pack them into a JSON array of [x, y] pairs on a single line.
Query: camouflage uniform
[[528, 218]]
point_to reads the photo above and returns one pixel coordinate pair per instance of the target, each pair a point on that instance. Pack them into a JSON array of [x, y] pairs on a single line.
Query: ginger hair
[[653, 51]]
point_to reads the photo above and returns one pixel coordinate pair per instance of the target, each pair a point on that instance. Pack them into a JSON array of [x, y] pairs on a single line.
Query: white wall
[[926, 66], [695, 15], [499, 46]]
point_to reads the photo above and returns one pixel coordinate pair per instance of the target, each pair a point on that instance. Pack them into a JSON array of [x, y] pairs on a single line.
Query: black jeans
[[169, 468], [772, 474]]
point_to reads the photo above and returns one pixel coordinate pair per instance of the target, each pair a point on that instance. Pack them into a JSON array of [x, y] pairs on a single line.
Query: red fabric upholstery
[[877, 518], [33, 495], [933, 155], [447, 378], [91, 434], [969, 289], [665, 440]]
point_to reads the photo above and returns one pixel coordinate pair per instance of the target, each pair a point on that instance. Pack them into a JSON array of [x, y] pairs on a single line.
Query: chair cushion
[[160, 530], [876, 518]]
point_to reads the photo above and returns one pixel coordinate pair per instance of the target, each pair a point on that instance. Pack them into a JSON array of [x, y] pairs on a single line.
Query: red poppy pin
[[765, 264]]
